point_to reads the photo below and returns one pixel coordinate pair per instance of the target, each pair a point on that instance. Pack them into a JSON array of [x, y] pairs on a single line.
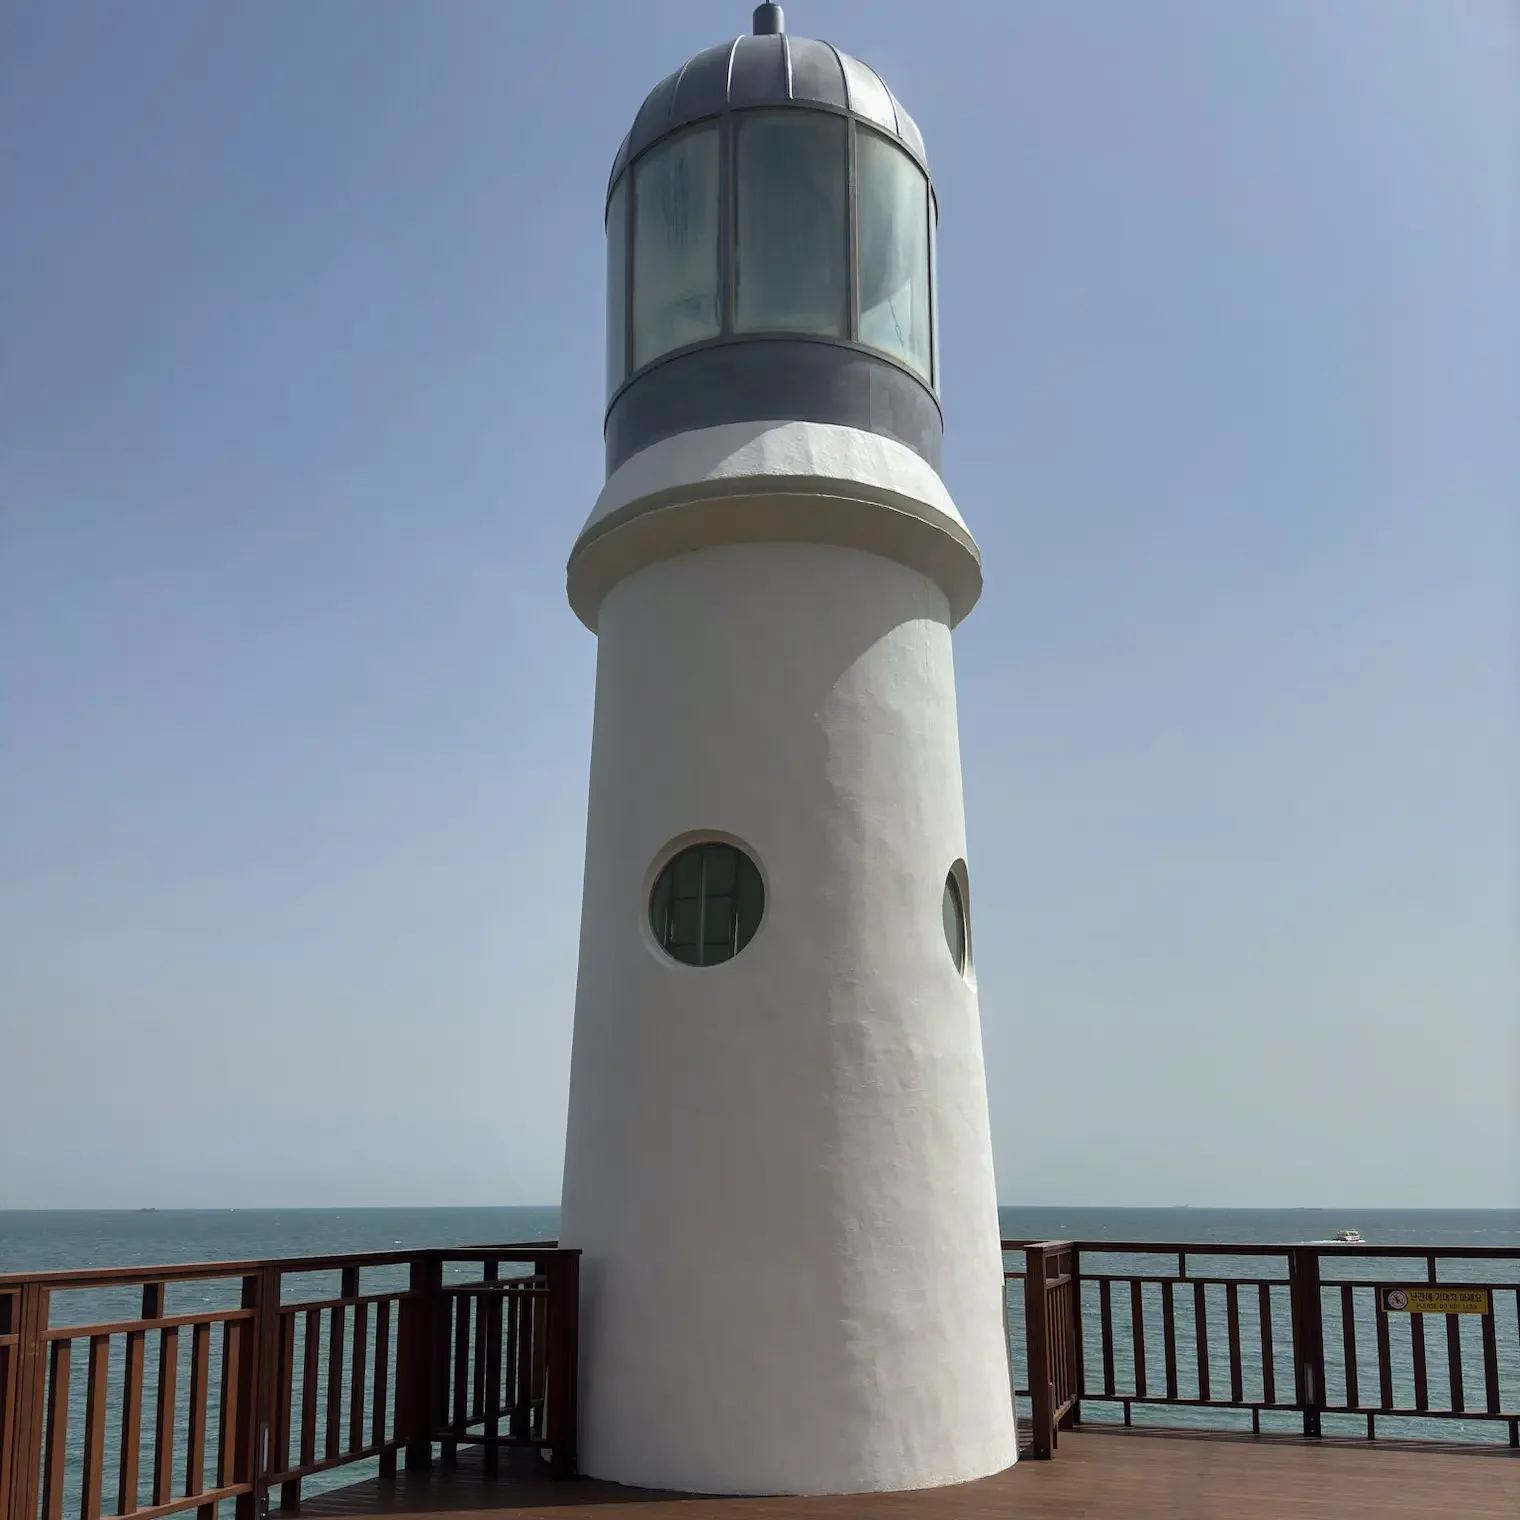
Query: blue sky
[[300, 390]]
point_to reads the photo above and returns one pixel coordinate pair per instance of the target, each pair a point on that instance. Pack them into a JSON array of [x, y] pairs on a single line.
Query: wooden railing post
[[562, 1271], [1078, 1353], [1308, 1334], [9, 1347], [417, 1334], [249, 1421], [262, 1377], [21, 1443], [1037, 1350]]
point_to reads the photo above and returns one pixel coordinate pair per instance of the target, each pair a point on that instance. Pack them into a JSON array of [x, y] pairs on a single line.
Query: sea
[[47, 1240], [51, 1240]]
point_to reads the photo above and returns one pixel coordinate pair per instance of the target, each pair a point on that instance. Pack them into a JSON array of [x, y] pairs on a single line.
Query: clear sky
[[300, 393]]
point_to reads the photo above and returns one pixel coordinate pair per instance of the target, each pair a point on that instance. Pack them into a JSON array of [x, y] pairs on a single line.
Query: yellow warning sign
[[1434, 1300]]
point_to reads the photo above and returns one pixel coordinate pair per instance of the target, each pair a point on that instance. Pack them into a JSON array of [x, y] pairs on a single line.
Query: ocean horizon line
[[444, 1208]]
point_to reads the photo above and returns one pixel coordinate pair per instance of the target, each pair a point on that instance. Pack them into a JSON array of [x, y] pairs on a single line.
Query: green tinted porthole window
[[954, 913], [706, 904]]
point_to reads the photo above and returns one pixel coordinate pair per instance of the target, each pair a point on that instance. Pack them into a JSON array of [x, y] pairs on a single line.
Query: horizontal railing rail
[[99, 1277], [145, 1392], [1303, 1330]]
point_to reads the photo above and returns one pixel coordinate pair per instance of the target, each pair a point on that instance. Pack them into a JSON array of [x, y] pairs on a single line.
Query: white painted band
[[800, 482]]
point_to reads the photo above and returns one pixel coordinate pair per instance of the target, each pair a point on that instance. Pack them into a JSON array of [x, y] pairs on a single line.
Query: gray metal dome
[[771, 251], [773, 69]]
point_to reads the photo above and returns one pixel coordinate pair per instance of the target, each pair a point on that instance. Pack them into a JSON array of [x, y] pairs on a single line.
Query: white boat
[[1349, 1238]]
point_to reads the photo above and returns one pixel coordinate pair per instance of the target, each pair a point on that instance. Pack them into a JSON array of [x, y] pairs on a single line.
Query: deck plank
[[1095, 1476]]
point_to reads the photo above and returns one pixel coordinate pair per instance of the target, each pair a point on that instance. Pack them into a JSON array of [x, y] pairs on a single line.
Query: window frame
[[957, 887], [664, 870]]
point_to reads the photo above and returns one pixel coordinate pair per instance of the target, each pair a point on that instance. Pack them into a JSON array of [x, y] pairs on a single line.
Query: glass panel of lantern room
[[792, 224], [934, 288], [617, 286], [894, 252], [675, 245]]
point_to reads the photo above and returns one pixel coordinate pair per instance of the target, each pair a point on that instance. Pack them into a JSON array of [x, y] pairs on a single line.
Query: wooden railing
[[1053, 1336], [282, 1379], [1243, 1328]]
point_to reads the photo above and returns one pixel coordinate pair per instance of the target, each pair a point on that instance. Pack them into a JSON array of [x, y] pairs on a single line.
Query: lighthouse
[[778, 1162]]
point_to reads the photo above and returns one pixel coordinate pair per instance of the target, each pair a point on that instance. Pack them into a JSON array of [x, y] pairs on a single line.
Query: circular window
[[954, 913], [706, 904]]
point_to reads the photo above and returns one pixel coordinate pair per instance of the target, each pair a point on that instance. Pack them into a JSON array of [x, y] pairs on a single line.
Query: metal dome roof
[[767, 70]]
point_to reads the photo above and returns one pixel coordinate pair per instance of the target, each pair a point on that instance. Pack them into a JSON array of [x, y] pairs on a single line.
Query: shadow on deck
[[1099, 1475]]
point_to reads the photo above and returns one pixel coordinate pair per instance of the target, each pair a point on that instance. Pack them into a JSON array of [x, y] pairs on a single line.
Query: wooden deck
[[1098, 1475]]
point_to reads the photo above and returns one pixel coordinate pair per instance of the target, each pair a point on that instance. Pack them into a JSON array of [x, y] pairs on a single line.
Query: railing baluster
[[490, 1332], [356, 1389], [337, 1322], [1060, 1373], [1268, 1374], [1232, 1314], [1454, 1363], [1490, 1360], [381, 1386], [1106, 1315], [1385, 1354], [1137, 1321], [132, 1401], [57, 1430], [1201, 1335], [1169, 1338], [285, 1408], [1348, 1339], [92, 1477], [1062, 1318], [461, 1366], [163, 1426], [311, 1353], [478, 1358], [200, 1398], [538, 1309], [226, 1439], [516, 1397], [1417, 1348]]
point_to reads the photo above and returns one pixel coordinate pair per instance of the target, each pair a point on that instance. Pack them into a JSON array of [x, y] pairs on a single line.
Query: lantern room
[[771, 251]]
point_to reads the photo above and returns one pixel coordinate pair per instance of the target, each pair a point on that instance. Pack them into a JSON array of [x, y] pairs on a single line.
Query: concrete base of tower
[[779, 1169]]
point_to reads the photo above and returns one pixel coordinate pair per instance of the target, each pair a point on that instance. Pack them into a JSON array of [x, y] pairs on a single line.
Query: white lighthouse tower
[[778, 1164]]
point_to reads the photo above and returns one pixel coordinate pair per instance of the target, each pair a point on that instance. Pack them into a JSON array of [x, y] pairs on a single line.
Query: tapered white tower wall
[[779, 1169]]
